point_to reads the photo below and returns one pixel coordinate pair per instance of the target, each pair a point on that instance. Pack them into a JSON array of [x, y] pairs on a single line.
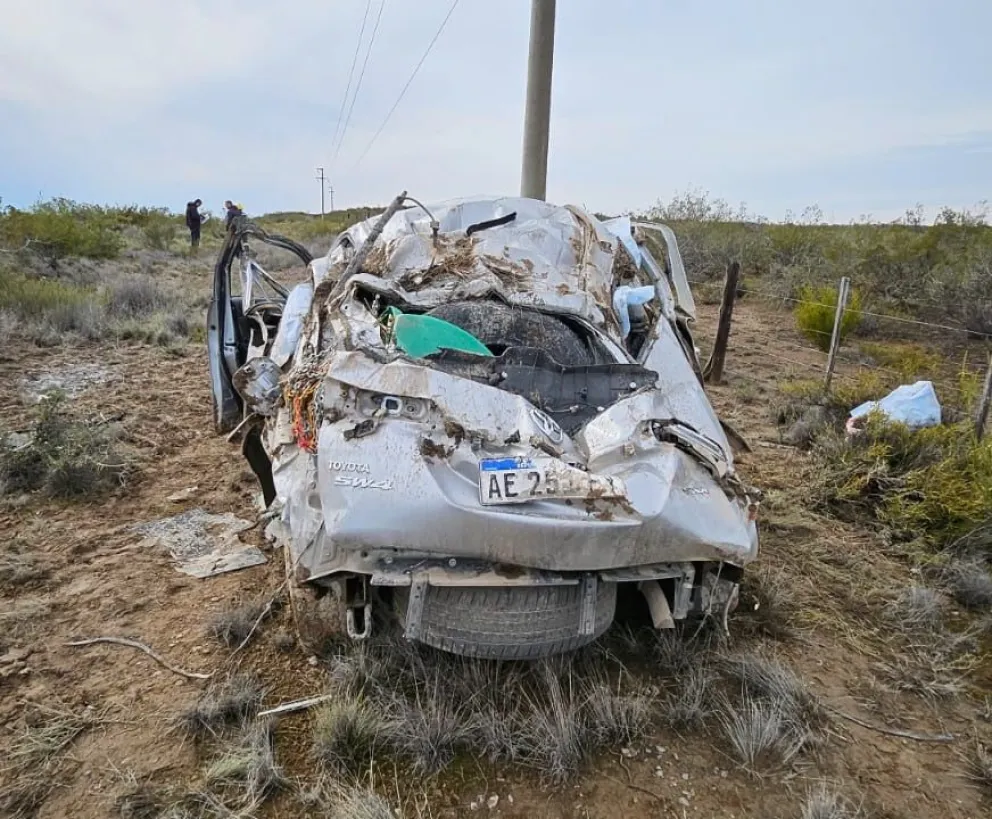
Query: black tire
[[510, 623], [318, 619]]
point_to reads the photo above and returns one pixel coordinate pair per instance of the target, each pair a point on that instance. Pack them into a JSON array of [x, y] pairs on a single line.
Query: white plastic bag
[[625, 296], [914, 405]]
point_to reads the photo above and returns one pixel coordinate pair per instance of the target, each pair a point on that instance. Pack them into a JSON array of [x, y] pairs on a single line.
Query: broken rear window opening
[[476, 410]]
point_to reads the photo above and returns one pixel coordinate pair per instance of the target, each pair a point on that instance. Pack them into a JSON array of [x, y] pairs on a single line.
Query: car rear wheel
[[510, 623]]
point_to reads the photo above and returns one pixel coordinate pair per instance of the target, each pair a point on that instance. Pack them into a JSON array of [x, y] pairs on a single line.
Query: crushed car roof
[[531, 253]]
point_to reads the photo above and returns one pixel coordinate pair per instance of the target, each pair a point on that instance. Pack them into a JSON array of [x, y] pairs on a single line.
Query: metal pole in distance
[[845, 285], [321, 178], [537, 115]]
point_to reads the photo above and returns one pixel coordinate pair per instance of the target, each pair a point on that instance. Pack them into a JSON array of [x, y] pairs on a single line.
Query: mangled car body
[[487, 414]]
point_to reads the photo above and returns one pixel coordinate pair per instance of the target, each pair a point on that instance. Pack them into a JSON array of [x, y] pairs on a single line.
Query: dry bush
[[233, 626], [65, 457], [224, 704], [135, 296]]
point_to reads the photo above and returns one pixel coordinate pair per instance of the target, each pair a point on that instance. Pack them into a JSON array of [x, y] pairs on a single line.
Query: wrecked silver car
[[485, 415]]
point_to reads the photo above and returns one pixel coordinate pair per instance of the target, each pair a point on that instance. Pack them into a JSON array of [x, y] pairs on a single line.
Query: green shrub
[[816, 311], [160, 233], [62, 228], [906, 360], [933, 484]]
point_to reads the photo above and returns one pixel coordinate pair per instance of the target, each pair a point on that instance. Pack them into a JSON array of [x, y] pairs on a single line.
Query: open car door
[[241, 309]]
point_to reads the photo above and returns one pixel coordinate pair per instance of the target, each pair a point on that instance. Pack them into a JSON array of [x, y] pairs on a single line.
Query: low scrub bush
[[816, 311], [136, 296], [934, 483], [909, 361], [64, 457], [61, 228], [48, 308]]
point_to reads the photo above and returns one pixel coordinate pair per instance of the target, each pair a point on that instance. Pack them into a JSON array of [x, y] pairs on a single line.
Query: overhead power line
[[399, 99], [351, 74], [358, 85]]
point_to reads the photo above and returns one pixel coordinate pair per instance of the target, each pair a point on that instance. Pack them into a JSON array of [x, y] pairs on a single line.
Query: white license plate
[[514, 480], [518, 480]]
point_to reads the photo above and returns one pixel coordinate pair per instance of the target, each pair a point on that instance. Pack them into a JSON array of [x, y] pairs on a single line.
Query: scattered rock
[[492, 802], [183, 494]]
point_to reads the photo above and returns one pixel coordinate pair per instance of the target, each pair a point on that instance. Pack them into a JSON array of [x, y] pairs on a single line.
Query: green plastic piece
[[420, 336]]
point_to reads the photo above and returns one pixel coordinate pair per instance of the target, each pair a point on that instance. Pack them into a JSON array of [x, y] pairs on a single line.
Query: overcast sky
[[861, 107]]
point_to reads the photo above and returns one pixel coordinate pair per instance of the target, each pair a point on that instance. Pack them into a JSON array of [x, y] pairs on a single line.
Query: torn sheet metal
[[202, 544], [258, 383]]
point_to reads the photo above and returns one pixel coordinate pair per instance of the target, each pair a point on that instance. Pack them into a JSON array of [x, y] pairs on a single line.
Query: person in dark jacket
[[194, 221], [231, 212]]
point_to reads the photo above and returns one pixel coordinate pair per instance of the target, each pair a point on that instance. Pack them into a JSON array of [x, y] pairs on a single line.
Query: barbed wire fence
[[825, 365]]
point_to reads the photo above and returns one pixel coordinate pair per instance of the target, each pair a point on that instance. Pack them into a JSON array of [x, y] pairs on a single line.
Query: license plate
[[518, 480]]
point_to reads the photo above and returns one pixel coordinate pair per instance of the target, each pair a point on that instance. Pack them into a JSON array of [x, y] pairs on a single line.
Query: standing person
[[231, 211], [193, 221]]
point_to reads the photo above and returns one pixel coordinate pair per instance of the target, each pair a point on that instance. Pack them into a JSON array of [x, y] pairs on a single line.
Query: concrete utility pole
[[537, 117], [320, 176], [330, 190]]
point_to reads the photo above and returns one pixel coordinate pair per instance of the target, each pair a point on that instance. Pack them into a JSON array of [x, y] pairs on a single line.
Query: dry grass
[[767, 605], [762, 735], [824, 802], [223, 705], [970, 583], [550, 716], [766, 679], [980, 767], [916, 609], [687, 704], [337, 800], [20, 567], [34, 754], [346, 733], [247, 765]]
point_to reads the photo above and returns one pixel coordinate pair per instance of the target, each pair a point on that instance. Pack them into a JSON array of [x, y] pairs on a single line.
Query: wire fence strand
[[885, 316]]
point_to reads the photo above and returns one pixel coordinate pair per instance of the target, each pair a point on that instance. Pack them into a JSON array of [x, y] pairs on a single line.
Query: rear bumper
[[380, 499]]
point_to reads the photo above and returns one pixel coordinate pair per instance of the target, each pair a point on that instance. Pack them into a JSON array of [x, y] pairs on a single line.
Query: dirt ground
[[101, 583]]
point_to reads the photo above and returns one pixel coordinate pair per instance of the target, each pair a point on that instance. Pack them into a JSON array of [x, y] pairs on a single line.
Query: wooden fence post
[[845, 286], [713, 371], [982, 416]]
